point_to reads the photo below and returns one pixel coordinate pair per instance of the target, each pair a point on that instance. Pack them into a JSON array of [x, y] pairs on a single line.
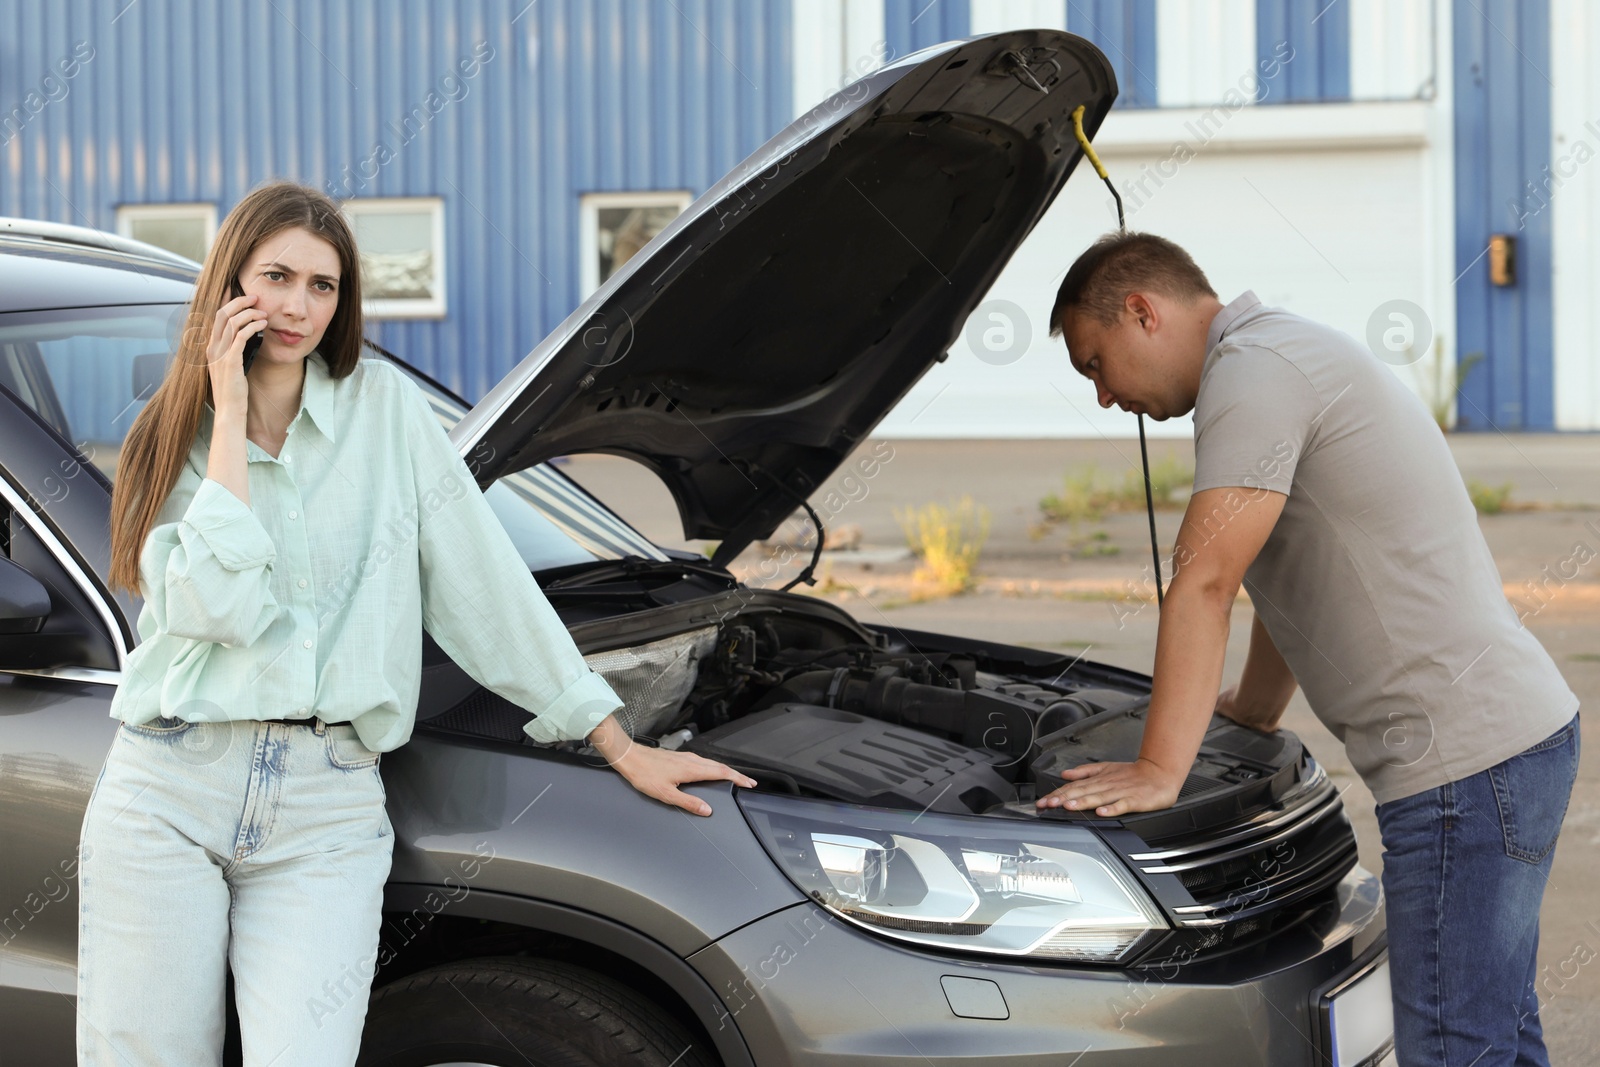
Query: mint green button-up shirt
[[311, 599]]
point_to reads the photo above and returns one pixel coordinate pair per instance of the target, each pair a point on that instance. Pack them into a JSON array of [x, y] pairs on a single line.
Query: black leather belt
[[312, 721]]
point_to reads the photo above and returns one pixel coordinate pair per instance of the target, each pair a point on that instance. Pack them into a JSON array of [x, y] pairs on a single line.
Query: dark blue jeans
[[1464, 870]]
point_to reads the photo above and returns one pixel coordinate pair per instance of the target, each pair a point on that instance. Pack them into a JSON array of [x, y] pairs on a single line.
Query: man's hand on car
[[1228, 707], [1113, 789], [1212, 555], [1117, 788]]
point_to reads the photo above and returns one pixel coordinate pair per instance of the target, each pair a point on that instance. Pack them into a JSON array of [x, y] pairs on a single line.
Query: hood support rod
[[807, 573], [1144, 456]]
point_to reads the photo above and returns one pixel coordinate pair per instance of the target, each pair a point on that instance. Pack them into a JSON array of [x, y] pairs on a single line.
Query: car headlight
[[1001, 886]]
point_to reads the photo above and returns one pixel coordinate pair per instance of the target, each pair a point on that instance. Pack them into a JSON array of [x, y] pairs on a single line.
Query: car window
[[78, 370], [540, 496], [87, 373]]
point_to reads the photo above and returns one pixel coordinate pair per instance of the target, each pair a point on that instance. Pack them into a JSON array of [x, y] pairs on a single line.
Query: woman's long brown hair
[[159, 441]]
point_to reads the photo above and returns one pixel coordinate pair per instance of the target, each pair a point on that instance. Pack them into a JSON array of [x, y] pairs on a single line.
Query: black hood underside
[[753, 344]]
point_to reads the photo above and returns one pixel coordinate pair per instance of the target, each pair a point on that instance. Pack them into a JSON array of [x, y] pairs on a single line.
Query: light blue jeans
[[260, 847]]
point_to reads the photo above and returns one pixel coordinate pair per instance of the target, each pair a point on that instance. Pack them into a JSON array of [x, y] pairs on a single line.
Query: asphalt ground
[[1086, 590]]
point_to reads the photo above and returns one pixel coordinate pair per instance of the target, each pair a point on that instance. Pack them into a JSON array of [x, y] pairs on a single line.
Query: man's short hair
[[1121, 263]]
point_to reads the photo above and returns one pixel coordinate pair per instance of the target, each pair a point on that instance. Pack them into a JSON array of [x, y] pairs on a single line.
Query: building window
[[401, 242], [614, 226], [186, 229]]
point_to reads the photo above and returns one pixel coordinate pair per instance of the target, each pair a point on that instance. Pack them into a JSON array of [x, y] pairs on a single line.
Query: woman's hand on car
[[658, 772], [236, 322]]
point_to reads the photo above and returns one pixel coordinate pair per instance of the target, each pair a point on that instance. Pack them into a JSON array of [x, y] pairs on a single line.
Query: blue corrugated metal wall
[[1125, 30], [912, 24], [186, 100], [1319, 33], [1502, 161]]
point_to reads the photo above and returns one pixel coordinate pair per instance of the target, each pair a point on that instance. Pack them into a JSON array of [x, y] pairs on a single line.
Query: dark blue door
[[1503, 186]]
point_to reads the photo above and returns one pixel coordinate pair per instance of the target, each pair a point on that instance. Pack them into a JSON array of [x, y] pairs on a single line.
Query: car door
[[55, 685]]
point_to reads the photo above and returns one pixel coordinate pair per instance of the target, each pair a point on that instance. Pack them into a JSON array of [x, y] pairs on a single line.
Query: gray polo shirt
[[1376, 583]]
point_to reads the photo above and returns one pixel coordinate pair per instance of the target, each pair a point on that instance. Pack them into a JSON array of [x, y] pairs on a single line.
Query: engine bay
[[795, 692], [814, 705], [930, 731]]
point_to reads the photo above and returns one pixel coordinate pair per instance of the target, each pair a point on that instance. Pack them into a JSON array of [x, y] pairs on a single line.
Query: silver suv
[[889, 895]]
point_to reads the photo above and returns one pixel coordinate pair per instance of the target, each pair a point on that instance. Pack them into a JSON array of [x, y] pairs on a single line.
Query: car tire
[[512, 1012]]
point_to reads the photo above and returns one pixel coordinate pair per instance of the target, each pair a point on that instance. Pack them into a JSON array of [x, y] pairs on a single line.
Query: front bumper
[[807, 989]]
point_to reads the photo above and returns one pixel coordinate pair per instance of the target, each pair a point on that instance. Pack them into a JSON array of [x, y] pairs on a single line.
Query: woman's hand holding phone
[[237, 323]]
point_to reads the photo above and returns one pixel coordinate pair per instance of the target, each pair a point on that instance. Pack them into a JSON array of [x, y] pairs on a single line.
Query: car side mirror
[[24, 601]]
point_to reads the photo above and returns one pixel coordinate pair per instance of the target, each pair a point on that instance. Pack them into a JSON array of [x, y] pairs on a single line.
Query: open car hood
[[755, 341]]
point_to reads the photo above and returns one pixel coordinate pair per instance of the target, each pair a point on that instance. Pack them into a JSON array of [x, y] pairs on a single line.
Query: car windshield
[[87, 373]]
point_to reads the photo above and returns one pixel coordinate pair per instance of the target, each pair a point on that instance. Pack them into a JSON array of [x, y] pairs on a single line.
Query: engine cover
[[846, 756]]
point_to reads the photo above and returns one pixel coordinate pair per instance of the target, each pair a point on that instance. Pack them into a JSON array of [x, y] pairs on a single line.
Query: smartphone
[[251, 346]]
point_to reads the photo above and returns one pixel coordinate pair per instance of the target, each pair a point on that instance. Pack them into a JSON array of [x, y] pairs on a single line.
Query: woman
[[291, 532]]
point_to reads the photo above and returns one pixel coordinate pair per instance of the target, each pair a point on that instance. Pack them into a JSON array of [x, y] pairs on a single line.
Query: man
[[1323, 484]]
